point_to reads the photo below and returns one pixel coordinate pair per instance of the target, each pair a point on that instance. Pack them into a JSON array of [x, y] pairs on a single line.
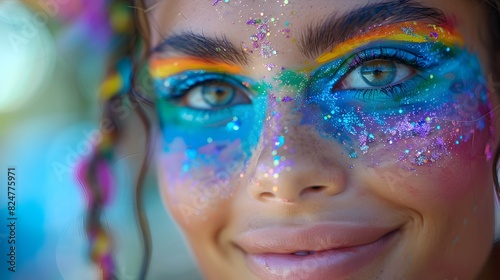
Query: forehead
[[286, 21], [274, 25], [231, 16]]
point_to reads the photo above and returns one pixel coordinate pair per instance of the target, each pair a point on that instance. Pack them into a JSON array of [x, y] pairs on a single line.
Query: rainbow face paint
[[409, 91], [423, 116], [211, 117], [407, 32]]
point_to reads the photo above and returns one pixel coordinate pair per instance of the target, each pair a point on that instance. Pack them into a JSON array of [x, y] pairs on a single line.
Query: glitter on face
[[260, 41], [422, 120], [206, 145], [270, 66], [424, 114]]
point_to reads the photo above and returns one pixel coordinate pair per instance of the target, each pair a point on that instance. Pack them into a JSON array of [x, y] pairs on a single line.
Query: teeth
[[303, 253]]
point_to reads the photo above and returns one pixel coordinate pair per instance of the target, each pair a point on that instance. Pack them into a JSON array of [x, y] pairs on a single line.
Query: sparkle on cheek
[[205, 149]]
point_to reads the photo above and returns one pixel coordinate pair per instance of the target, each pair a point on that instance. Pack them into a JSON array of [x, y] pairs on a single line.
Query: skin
[[444, 212]]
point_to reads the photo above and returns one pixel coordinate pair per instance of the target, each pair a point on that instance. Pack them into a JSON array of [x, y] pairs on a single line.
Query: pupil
[[217, 94]]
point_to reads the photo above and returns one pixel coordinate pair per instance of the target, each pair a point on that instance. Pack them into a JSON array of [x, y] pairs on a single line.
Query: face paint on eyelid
[[407, 32], [161, 68], [441, 110], [206, 141]]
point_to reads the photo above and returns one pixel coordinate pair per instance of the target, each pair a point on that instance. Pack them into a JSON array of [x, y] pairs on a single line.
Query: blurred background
[[52, 55]]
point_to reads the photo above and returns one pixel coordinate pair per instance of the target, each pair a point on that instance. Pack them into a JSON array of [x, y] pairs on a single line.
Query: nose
[[304, 169]]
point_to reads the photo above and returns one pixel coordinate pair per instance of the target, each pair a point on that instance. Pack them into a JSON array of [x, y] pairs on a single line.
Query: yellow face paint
[[164, 67], [413, 32]]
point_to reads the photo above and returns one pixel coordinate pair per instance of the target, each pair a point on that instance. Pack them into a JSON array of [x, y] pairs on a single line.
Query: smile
[[324, 251]]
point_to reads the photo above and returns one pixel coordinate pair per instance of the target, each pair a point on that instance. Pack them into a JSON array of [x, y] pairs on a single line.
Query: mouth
[[318, 252]]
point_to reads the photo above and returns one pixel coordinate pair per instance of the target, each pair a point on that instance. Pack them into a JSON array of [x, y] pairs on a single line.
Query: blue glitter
[[280, 142]]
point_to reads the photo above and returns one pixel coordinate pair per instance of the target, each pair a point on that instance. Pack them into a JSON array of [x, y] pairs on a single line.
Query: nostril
[[313, 189], [266, 195]]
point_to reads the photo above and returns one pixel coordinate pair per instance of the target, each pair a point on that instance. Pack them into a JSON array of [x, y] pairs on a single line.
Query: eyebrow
[[201, 46], [316, 38]]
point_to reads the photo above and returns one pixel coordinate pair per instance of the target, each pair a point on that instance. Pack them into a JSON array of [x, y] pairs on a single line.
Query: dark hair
[[130, 48]]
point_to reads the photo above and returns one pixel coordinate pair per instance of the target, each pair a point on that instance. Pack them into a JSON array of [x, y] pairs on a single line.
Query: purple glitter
[[285, 31], [259, 39], [250, 21], [287, 99]]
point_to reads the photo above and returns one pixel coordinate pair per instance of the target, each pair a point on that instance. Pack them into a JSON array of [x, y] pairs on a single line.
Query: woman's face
[[326, 139]]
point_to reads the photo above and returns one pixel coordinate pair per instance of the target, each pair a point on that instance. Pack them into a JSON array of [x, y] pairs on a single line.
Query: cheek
[[440, 164], [196, 184], [443, 112], [202, 154], [429, 149], [455, 185]]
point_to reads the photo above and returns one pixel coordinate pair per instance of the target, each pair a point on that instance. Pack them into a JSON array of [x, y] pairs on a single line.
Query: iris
[[378, 73], [217, 93]]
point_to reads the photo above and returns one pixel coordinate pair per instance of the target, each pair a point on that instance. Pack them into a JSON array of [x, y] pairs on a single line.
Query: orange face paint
[[164, 67], [405, 32]]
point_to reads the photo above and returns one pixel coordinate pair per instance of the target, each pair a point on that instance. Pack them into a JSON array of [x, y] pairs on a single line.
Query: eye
[[213, 95], [377, 73]]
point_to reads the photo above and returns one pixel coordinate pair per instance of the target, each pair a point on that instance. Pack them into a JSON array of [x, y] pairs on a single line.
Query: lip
[[338, 250]]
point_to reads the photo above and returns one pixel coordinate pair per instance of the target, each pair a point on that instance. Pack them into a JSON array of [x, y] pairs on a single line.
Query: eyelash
[[398, 55], [395, 91], [174, 88], [179, 84]]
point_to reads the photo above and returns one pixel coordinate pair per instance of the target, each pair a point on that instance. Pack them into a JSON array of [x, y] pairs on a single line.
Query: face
[[327, 139]]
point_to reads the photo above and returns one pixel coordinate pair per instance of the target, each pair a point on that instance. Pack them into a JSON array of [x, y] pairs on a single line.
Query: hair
[[129, 48]]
